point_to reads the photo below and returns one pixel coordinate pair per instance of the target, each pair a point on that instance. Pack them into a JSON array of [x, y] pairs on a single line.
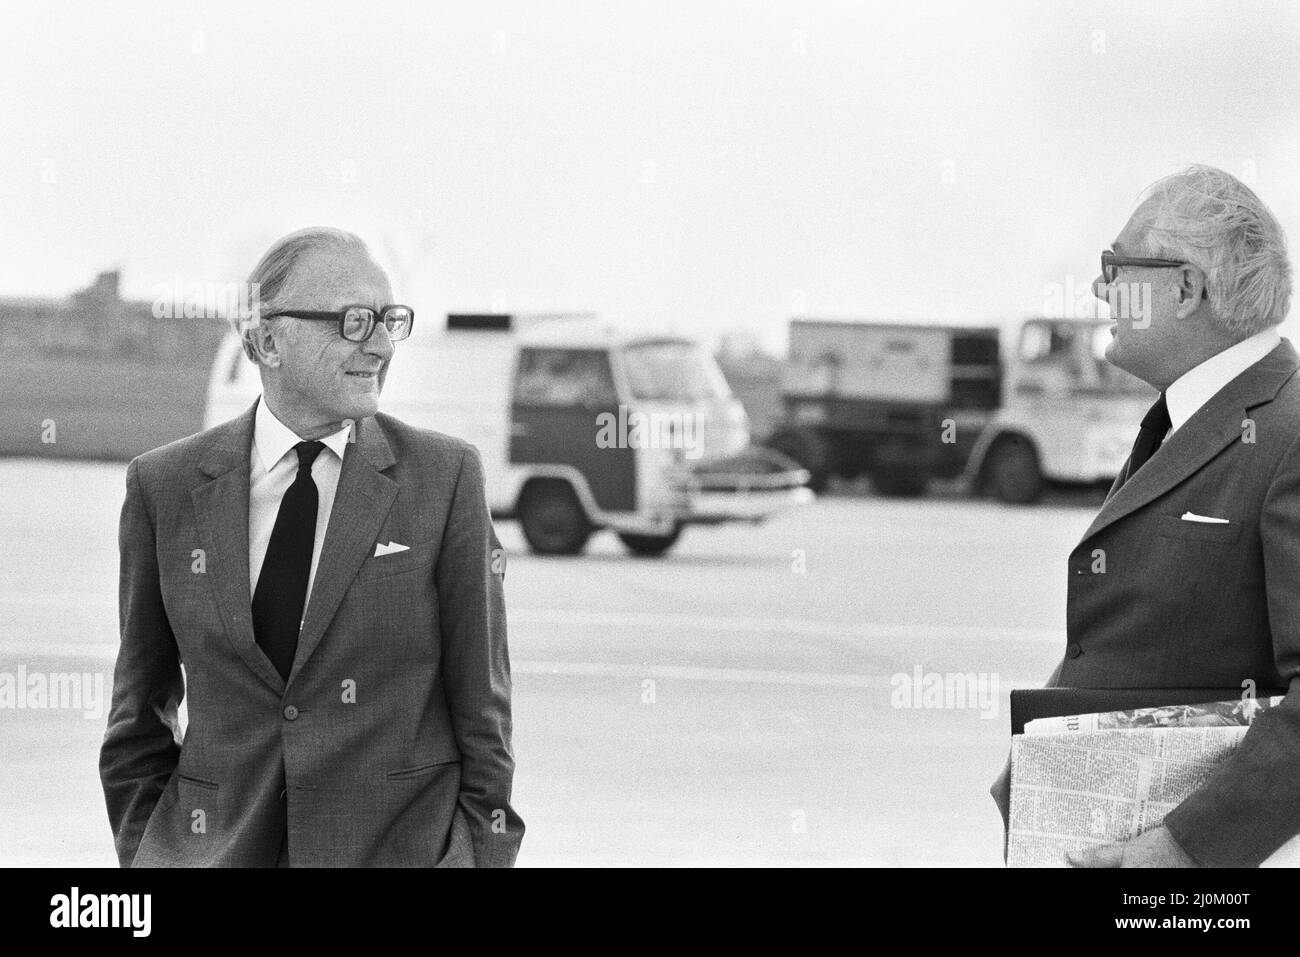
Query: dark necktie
[[282, 585], [1154, 426]]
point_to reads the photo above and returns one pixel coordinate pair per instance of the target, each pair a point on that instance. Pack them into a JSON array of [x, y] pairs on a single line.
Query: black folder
[[1028, 704]]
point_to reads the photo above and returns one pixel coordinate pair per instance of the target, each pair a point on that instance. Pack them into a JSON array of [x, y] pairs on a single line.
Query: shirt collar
[[272, 439], [1198, 385]]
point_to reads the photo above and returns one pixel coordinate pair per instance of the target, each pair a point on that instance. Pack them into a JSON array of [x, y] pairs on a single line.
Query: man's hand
[[1155, 848]]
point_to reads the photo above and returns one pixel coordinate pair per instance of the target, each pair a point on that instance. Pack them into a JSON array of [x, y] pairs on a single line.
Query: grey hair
[[269, 278], [1214, 221]]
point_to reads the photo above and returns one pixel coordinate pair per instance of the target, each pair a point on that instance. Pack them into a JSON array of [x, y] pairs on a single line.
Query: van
[[580, 426]]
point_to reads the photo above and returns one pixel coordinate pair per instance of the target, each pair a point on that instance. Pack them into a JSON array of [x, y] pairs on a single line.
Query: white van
[[581, 427]]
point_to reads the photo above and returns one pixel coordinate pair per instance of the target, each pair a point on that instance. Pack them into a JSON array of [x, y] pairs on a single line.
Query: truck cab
[[1068, 414], [580, 426]]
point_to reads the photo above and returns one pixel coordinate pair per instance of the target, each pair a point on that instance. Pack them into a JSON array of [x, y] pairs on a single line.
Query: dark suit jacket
[[390, 742], [1184, 604]]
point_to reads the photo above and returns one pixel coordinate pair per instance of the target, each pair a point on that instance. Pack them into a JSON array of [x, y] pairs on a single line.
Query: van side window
[[564, 377]]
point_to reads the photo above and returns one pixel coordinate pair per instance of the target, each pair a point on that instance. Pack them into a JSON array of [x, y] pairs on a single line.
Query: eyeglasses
[[357, 323], [1110, 264]]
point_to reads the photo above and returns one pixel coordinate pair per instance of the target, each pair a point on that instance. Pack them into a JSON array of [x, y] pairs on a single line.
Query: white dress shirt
[[1197, 385], [271, 470]]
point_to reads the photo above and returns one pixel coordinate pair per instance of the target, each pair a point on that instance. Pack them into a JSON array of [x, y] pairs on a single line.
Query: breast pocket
[[415, 558], [1208, 533]]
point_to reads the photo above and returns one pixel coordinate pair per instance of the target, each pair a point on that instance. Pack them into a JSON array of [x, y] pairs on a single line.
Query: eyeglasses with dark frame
[[357, 323], [1110, 263]]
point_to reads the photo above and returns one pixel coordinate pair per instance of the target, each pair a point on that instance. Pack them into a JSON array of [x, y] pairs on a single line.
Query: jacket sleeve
[[476, 666], [1248, 808], [142, 743], [1000, 790]]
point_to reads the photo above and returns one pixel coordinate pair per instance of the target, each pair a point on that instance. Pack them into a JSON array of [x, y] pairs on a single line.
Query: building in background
[[96, 376]]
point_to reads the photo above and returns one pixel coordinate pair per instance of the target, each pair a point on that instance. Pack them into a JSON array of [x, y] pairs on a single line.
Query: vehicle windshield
[[673, 371]]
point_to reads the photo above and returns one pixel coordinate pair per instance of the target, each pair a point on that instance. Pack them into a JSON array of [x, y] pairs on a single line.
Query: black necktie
[[1154, 426], [282, 585]]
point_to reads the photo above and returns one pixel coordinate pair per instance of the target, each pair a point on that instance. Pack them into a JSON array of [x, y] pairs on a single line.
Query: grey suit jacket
[[390, 742], [1156, 601]]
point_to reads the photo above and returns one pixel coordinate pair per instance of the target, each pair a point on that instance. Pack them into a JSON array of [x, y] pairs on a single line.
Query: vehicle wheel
[[808, 449], [552, 519], [1012, 472], [898, 483], [650, 546]]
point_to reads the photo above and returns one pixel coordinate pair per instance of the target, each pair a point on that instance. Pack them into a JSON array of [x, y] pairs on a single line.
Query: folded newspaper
[[1085, 780]]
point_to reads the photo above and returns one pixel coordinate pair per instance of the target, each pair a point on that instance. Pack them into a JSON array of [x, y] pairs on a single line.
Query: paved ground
[[719, 706]]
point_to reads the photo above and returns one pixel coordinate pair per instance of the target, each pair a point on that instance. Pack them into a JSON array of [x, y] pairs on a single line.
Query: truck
[[907, 403], [581, 426], [1068, 415], [876, 399]]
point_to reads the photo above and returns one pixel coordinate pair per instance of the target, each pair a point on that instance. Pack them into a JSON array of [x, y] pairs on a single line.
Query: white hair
[[1214, 221], [270, 277]]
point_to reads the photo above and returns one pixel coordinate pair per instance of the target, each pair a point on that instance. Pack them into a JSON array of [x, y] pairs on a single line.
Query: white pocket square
[[392, 548], [1193, 517]]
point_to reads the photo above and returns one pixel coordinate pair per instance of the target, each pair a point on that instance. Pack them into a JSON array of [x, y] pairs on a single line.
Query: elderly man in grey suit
[[1200, 534], [331, 582]]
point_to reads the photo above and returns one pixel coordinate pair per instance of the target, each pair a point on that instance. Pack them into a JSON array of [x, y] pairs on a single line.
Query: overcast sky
[[708, 166]]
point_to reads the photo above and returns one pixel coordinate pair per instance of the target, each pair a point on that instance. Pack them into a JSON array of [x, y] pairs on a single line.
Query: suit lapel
[[221, 514], [361, 504], [1119, 479], [1213, 427]]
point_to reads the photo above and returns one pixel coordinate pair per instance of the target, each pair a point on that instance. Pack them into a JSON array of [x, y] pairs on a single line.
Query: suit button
[[290, 712], [1073, 650]]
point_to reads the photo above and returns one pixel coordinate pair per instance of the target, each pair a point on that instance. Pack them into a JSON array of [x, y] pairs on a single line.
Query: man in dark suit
[[1189, 576], [331, 582]]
